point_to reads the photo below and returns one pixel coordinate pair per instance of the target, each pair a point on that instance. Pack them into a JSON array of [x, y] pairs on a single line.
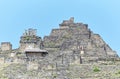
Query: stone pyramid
[[77, 37]]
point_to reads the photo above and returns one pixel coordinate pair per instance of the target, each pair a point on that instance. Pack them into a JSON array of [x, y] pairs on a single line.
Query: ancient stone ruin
[[71, 43], [78, 38], [70, 38], [30, 39]]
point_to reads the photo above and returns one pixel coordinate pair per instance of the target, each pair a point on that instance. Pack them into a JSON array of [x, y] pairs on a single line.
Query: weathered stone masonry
[[71, 42]]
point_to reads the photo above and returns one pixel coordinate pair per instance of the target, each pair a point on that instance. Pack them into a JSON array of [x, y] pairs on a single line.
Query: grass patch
[[96, 69]]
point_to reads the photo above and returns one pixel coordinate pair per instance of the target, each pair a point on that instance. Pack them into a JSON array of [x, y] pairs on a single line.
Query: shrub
[[118, 72], [96, 69]]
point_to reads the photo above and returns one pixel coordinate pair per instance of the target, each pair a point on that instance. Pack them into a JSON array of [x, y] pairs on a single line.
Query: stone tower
[[6, 46], [30, 39]]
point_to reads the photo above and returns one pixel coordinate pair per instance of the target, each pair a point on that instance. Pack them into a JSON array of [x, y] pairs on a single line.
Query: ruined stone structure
[[30, 39], [70, 39], [35, 53], [6, 46], [78, 38], [69, 52]]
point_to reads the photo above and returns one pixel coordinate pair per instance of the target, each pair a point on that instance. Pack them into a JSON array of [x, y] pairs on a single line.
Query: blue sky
[[102, 16]]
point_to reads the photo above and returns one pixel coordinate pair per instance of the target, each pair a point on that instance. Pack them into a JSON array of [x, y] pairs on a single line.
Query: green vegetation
[[118, 73], [54, 75], [27, 38], [96, 69]]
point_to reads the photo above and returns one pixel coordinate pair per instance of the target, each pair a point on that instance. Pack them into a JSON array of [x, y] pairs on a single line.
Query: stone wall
[[6, 46], [73, 53], [73, 41]]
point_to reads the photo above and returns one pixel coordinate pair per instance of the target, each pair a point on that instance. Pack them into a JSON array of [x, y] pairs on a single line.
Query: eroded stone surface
[[73, 52]]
